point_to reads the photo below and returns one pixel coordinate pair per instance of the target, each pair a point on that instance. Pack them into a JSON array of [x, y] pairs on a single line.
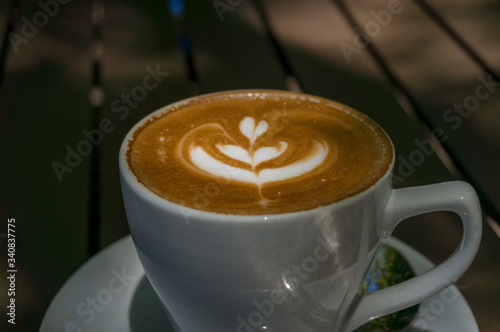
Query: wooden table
[[76, 75]]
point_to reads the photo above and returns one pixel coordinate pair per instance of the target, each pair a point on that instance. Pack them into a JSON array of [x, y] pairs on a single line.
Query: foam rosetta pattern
[[252, 157]]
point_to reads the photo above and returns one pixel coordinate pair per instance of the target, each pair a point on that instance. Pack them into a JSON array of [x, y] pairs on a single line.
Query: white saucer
[[111, 293]]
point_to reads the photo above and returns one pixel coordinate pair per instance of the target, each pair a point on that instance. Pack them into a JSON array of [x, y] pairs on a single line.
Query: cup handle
[[456, 196]]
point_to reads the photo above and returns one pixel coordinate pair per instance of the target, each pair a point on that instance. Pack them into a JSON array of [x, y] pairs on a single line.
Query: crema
[[258, 152]]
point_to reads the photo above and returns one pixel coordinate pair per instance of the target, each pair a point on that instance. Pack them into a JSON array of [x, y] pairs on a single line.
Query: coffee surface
[[258, 152]]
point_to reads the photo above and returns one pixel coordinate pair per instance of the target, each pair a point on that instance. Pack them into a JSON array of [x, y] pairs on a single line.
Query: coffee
[[258, 152]]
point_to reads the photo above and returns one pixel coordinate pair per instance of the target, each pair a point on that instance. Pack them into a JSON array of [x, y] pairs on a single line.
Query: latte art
[[258, 152], [254, 157]]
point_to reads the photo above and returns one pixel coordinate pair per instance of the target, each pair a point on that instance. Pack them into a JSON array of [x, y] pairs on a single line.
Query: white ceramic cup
[[289, 272]]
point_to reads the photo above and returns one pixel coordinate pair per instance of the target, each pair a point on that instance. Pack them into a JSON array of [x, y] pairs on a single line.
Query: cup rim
[[148, 195]]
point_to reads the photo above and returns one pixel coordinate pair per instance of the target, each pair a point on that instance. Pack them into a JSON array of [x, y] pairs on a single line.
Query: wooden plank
[[228, 52], [474, 28], [143, 70], [476, 23], [454, 93], [44, 108]]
